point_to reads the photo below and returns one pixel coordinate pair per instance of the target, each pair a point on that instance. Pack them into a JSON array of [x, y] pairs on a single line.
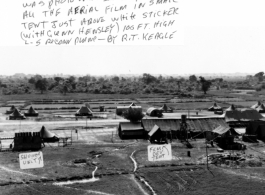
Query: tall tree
[[147, 78], [115, 79], [178, 83], [259, 75], [193, 78], [205, 85], [58, 79], [41, 84]]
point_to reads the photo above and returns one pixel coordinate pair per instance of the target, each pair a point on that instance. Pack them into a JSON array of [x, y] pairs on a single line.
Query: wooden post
[[206, 154], [86, 123]]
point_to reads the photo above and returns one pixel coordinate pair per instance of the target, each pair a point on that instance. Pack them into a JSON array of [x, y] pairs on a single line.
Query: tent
[[261, 108], [84, 111], [215, 107], [154, 112], [16, 115], [243, 115], [31, 112], [256, 105], [48, 136], [165, 108], [230, 108], [121, 109], [11, 110]]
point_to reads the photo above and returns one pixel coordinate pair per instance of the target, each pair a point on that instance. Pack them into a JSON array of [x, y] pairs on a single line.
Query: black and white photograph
[[132, 97]]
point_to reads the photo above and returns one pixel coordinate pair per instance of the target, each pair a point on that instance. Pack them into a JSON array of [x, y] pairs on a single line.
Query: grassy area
[[77, 96], [248, 97], [198, 180]]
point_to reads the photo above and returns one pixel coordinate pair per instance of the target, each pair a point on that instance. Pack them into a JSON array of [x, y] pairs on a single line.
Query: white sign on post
[[159, 152], [31, 160]]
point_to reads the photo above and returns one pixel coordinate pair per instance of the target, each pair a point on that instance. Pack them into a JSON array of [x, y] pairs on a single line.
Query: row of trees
[[88, 84]]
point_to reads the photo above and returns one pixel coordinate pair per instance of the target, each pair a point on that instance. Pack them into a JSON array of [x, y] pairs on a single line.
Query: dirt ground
[[115, 171]]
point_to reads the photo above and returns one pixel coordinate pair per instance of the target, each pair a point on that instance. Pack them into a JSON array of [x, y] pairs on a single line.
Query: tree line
[[144, 84]]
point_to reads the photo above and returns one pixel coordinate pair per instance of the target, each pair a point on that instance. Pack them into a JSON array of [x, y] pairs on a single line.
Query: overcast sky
[[221, 36]]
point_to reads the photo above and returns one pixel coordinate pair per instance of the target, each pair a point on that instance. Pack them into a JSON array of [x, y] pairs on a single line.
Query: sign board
[[159, 152], [31, 160]]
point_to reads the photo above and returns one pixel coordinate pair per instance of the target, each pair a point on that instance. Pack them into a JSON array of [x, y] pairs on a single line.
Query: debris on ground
[[231, 159]]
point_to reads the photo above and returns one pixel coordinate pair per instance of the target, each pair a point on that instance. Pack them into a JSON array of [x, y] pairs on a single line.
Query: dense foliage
[[145, 84]]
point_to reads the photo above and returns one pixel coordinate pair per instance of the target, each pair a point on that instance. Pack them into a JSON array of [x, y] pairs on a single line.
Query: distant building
[[131, 130]]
